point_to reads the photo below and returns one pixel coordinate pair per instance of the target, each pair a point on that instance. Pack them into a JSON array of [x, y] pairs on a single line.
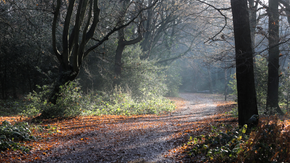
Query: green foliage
[[142, 77], [268, 142], [73, 102], [37, 101], [140, 91], [121, 103], [173, 80], [220, 146], [67, 104], [285, 88], [10, 107], [234, 112], [10, 134], [233, 84], [261, 77]]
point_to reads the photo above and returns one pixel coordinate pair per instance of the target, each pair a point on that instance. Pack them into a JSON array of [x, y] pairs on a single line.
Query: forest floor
[[112, 139]]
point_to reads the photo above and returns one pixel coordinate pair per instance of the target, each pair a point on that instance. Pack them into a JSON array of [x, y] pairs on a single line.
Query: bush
[[11, 107], [37, 101], [67, 105], [220, 146], [120, 102], [10, 134], [268, 142], [73, 103]]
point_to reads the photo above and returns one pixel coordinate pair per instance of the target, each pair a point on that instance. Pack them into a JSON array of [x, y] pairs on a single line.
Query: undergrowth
[[268, 142], [73, 102], [10, 107], [11, 136], [219, 146], [120, 103]]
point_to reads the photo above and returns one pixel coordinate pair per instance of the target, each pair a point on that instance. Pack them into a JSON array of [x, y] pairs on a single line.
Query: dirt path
[[137, 139]]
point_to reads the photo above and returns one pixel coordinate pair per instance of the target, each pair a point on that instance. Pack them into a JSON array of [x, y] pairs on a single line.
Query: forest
[[144, 81]]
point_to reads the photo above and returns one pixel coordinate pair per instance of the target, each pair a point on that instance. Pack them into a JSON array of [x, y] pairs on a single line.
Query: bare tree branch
[[225, 17], [117, 28]]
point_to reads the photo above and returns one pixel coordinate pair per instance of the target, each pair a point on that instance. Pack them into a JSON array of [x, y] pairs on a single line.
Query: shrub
[[120, 102], [11, 107], [11, 134], [73, 103], [220, 146], [67, 104], [268, 142]]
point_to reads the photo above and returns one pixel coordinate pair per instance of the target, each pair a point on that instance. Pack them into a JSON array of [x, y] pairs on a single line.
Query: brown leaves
[[55, 135], [113, 130]]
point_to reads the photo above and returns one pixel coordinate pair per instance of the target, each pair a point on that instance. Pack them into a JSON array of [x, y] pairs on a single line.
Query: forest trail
[[139, 139]]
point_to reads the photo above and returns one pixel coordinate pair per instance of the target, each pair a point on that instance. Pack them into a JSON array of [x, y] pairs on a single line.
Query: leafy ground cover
[[212, 139], [52, 133], [218, 139], [73, 102]]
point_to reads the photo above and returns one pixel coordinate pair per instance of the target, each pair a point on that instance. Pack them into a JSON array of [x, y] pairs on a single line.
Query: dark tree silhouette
[[247, 102], [84, 15], [273, 64]]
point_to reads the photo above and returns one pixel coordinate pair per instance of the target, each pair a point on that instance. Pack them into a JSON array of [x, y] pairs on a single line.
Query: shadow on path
[[145, 138]]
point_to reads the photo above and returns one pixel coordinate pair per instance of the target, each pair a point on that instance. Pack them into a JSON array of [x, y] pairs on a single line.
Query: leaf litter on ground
[[115, 138]]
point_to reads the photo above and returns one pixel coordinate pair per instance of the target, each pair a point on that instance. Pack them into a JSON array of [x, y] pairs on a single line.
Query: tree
[[167, 25], [273, 61], [78, 29], [24, 36], [253, 20], [247, 103], [122, 41]]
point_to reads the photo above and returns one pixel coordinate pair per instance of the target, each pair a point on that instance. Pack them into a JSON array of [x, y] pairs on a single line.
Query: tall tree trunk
[[122, 43], [273, 62], [253, 21], [226, 84], [118, 57], [247, 102], [147, 34], [3, 77], [5, 96]]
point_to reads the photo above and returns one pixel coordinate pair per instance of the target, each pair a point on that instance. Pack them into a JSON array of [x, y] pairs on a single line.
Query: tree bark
[[253, 21], [84, 15], [226, 84], [273, 61], [64, 76], [73, 40], [147, 27], [247, 102], [122, 43]]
